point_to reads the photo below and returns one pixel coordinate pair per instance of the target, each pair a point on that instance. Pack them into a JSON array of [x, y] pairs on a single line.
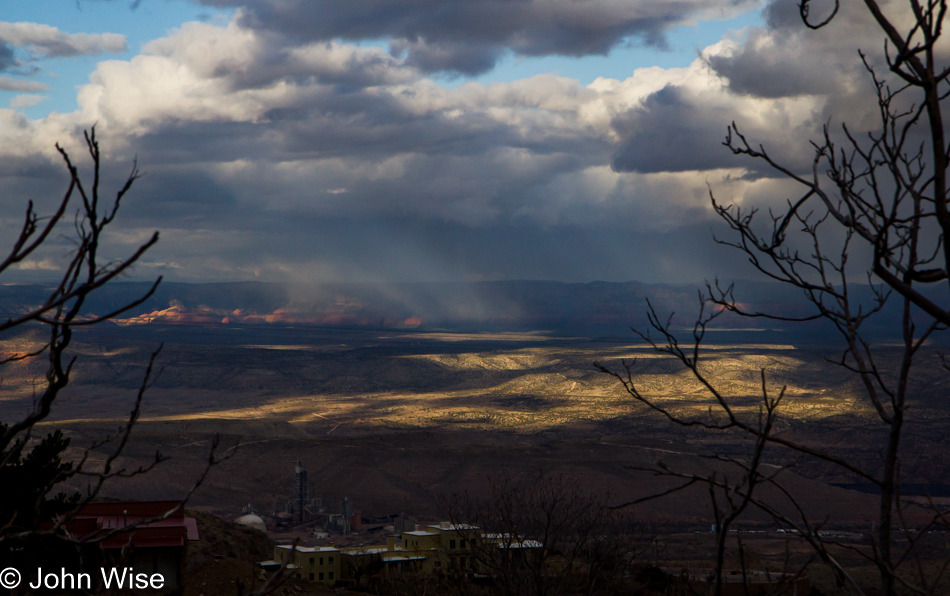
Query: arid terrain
[[397, 419]]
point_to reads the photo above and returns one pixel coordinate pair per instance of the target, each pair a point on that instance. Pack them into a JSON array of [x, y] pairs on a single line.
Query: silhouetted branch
[[882, 194]]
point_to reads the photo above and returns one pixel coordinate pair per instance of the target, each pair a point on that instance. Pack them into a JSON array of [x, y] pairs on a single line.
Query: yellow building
[[456, 545], [437, 550], [441, 549], [320, 564], [359, 562]]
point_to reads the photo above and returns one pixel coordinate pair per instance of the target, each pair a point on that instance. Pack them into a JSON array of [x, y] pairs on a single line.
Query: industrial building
[[301, 493], [302, 510]]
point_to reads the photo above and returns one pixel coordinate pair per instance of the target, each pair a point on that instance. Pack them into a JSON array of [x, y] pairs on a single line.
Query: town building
[[436, 550], [319, 564], [148, 536]]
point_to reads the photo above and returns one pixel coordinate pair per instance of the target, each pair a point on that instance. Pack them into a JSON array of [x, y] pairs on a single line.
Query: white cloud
[[42, 265], [25, 101], [253, 142], [11, 84], [48, 42], [298, 123]]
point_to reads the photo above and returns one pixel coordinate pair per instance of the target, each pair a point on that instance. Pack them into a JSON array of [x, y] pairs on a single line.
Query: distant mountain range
[[595, 308]]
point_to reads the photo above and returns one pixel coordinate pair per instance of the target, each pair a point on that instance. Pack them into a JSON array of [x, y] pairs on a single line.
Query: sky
[[421, 140]]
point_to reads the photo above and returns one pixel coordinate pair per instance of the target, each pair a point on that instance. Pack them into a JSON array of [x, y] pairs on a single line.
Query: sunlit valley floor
[[397, 421]]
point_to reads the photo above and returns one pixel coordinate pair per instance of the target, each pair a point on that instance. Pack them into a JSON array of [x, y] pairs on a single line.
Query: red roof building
[[150, 537]]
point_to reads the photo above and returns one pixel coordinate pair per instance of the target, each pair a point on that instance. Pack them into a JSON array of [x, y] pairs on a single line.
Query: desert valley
[[398, 420]]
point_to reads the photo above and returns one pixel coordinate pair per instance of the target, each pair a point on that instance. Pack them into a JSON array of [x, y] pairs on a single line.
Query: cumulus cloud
[[22, 45], [45, 41], [680, 120], [781, 83], [311, 158], [468, 36], [751, 68], [785, 59]]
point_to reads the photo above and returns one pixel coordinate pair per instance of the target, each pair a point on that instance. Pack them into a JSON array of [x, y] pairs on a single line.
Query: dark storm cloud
[[363, 126], [447, 171], [780, 84], [244, 137], [271, 158], [678, 130], [785, 59], [181, 196], [375, 127], [763, 70], [409, 249], [463, 57], [669, 133], [468, 35], [289, 123]]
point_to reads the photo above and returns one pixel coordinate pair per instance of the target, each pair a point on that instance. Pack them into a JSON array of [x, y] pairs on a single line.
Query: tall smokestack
[[301, 494]]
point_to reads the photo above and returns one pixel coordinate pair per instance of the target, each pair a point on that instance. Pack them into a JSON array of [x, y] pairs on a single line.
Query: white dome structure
[[252, 521]]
